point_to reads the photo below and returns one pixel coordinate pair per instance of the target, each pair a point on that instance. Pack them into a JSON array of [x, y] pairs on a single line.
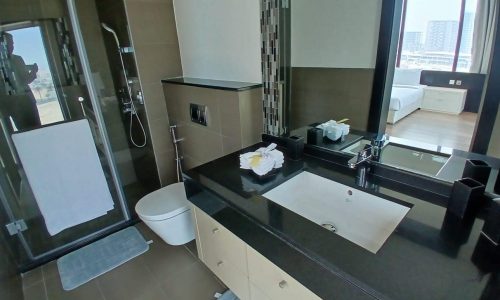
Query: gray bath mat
[[85, 264]]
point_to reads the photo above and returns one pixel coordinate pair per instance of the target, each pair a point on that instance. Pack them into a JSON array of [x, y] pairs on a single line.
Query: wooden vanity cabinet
[[242, 269]]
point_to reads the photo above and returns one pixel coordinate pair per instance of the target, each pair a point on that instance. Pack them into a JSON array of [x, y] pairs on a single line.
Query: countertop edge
[[213, 84]]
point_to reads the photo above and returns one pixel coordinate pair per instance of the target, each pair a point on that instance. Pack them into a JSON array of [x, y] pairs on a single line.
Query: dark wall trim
[[285, 31], [490, 102], [459, 36], [401, 33], [390, 22]]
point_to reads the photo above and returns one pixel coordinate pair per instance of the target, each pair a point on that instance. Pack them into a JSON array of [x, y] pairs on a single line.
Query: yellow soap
[[255, 161]]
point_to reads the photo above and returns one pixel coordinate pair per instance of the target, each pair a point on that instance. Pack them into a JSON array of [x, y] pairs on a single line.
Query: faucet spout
[[363, 156]]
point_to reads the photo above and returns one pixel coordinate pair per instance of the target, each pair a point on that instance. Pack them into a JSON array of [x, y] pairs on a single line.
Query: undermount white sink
[[359, 217]]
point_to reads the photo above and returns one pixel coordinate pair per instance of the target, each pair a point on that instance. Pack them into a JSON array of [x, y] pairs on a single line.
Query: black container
[[314, 136], [491, 226], [486, 256], [295, 147], [454, 229], [477, 170], [466, 198]]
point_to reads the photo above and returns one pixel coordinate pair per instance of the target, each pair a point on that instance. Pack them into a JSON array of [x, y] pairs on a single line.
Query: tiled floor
[[164, 272]]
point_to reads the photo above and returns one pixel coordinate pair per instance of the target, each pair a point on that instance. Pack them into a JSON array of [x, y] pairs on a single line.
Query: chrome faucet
[[377, 146], [360, 162], [362, 156]]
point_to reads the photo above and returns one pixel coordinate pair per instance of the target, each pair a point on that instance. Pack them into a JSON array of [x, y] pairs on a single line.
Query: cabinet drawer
[[236, 280], [217, 239], [267, 278], [256, 293], [451, 94], [444, 100]]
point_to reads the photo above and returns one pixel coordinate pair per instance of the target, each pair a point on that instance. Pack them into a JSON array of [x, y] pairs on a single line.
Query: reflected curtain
[[484, 32]]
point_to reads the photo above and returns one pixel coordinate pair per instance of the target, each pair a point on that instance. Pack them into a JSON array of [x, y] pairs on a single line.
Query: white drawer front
[[256, 293], [267, 278], [444, 101], [218, 239], [223, 253], [228, 273]]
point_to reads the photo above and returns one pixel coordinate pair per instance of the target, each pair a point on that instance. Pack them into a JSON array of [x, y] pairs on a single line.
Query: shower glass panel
[[131, 145], [44, 85]]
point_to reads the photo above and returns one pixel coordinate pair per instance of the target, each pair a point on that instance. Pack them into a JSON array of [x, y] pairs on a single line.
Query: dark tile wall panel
[[322, 94]]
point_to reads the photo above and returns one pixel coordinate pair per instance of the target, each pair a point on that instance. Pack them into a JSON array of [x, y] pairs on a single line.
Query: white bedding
[[405, 95]]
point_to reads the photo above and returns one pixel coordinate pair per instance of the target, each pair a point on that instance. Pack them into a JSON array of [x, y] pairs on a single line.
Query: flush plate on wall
[[198, 113]]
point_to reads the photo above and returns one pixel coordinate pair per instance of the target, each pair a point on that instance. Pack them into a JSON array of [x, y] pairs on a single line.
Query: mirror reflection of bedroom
[[441, 65]]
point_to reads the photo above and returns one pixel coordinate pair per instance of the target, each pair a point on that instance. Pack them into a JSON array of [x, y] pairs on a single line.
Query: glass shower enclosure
[[54, 69]]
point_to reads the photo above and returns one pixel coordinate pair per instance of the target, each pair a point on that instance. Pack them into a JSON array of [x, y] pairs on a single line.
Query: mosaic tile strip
[[270, 52]]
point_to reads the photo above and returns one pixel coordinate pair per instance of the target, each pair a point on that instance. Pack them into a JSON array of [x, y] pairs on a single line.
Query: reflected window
[[430, 33], [28, 90], [29, 45]]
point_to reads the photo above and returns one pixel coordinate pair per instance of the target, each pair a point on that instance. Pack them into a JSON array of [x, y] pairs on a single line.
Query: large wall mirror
[[333, 49], [422, 79]]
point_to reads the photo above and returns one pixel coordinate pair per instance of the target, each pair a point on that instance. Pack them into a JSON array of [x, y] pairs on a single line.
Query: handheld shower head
[[106, 26], [109, 29]]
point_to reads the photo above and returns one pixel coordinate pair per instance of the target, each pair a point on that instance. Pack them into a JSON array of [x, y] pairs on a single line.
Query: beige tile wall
[[154, 38], [23, 10], [234, 121]]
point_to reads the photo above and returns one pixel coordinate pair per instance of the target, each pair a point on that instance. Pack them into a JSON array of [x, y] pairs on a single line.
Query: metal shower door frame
[[94, 99]]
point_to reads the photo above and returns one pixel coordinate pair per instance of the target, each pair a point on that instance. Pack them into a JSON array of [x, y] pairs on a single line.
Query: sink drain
[[329, 226]]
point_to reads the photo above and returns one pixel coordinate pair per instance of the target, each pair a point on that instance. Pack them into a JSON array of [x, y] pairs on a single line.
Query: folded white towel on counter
[[333, 130], [263, 160]]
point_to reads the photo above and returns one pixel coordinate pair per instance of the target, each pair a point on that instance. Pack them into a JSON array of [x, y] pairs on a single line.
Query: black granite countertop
[[213, 84], [430, 255], [451, 171]]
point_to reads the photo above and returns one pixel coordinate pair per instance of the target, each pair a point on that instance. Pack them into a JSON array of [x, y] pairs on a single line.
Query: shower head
[[106, 26], [109, 29]]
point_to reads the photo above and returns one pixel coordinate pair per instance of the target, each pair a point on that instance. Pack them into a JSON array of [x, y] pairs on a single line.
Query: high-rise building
[[413, 41], [441, 36]]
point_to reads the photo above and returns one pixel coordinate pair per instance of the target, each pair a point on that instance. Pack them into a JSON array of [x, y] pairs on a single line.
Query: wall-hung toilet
[[166, 211]]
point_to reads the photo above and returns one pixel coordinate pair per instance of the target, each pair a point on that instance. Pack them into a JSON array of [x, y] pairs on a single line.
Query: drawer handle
[[220, 263], [282, 284], [215, 230]]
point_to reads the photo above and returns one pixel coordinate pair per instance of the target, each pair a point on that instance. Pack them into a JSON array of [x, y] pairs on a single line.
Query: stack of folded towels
[[334, 130], [263, 160]]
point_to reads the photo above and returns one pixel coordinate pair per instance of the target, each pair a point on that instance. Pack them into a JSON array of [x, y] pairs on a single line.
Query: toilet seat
[[164, 203]]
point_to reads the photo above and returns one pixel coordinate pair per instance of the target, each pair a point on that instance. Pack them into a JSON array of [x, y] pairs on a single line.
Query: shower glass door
[[43, 82]]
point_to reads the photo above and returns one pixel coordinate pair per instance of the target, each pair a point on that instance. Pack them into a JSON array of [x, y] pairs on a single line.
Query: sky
[[423, 11], [28, 44]]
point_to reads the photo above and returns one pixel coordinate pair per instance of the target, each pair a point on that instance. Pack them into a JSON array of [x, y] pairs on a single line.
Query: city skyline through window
[[430, 35], [28, 44]]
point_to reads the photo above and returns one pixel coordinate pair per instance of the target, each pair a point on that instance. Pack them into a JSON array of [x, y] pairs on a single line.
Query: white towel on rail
[[65, 174]]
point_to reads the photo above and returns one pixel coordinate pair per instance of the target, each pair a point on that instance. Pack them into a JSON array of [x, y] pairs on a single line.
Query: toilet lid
[[164, 203]]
